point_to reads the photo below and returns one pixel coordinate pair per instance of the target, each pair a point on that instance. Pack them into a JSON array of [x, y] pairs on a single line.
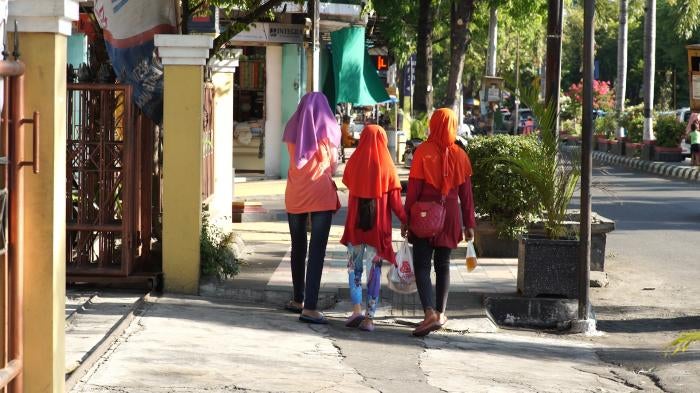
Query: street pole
[[553, 67], [586, 160], [315, 45]]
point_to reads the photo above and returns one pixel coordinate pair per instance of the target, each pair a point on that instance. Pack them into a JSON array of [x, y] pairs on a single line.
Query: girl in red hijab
[[428, 182], [375, 191]]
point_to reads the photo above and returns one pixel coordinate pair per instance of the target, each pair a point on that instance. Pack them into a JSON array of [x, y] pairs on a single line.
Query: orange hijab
[[370, 172], [428, 160]]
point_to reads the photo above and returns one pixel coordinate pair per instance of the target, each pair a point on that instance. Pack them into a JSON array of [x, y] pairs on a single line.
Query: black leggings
[[423, 252]]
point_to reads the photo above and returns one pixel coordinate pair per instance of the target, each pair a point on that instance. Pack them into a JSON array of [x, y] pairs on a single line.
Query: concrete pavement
[[189, 344]]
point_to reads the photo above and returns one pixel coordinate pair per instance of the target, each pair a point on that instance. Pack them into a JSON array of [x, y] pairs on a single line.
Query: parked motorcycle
[[411, 146]]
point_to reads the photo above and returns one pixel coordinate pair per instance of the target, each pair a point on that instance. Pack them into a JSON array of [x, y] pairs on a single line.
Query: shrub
[[669, 131], [571, 127], [419, 127], [506, 198], [606, 125], [215, 251], [633, 123]]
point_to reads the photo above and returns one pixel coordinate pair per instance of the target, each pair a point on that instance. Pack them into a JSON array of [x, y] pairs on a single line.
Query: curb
[[653, 167], [657, 168]]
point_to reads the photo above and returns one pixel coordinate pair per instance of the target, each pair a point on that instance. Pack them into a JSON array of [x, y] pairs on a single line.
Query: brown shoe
[[426, 328]]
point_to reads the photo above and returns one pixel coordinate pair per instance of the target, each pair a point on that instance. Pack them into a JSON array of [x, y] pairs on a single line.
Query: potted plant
[[506, 202], [548, 261], [669, 134], [605, 127], [573, 131], [633, 123]]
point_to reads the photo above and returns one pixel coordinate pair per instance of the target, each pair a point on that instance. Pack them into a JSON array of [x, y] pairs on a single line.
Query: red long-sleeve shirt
[[451, 235], [379, 236]]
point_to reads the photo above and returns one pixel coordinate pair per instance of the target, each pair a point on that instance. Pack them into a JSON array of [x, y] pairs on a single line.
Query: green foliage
[[505, 197], [419, 126], [552, 175], [633, 123], [571, 127], [606, 125], [216, 257], [669, 131], [683, 342]]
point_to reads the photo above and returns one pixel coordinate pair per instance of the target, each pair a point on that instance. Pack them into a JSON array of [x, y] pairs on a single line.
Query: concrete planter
[[604, 145], [633, 149], [647, 151], [617, 147], [489, 245], [668, 154], [548, 268], [573, 140]]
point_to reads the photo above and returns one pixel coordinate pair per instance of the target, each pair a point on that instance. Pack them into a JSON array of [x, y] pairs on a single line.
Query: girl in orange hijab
[[375, 191], [428, 181]]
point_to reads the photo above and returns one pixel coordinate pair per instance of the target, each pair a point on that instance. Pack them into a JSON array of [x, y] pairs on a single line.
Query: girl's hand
[[404, 230], [468, 234]]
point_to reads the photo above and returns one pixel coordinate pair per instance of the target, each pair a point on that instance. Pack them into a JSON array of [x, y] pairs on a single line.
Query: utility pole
[[586, 164]]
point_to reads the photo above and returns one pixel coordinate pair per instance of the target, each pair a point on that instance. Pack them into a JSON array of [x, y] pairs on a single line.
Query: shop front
[[267, 84]]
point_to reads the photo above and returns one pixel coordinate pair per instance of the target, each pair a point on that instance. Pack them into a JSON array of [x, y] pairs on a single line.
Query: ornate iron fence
[[108, 183], [208, 143]]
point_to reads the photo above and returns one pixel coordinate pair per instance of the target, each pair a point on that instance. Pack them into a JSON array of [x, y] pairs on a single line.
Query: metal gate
[[11, 215], [109, 185]]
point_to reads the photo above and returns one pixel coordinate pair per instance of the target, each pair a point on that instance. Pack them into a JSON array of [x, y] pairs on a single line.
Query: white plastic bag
[[401, 277], [471, 256]]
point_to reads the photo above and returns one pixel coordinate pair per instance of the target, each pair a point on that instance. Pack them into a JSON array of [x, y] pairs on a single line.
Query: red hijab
[[370, 172], [428, 160]]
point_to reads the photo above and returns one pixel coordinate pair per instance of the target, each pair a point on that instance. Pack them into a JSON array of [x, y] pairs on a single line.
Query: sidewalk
[[190, 344]]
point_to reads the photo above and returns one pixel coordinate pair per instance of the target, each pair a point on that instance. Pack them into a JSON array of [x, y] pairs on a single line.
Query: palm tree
[[649, 66], [461, 12], [621, 85]]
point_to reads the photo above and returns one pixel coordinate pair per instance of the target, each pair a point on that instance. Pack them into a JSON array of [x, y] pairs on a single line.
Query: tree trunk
[[649, 67], [553, 67], [621, 84], [493, 42], [423, 96], [461, 13]]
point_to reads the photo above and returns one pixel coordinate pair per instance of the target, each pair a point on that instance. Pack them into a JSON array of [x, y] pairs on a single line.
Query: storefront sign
[[271, 33]]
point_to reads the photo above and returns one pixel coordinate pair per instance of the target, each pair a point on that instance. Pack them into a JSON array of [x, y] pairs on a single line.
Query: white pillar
[[222, 78], [273, 110]]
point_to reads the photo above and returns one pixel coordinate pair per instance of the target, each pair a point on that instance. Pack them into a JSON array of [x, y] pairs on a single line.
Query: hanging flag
[[129, 27], [356, 79]]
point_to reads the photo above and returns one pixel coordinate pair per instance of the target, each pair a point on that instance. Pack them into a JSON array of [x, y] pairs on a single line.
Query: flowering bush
[[603, 97]]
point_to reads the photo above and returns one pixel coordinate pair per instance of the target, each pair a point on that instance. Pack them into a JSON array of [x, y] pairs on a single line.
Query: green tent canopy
[[355, 79]]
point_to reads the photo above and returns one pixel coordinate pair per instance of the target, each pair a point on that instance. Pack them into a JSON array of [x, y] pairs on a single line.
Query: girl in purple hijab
[[312, 122], [312, 136]]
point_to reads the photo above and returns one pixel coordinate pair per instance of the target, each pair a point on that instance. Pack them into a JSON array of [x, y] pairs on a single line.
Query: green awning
[[355, 78]]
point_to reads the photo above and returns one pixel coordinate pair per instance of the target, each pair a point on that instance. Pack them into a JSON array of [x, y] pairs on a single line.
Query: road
[[653, 262]]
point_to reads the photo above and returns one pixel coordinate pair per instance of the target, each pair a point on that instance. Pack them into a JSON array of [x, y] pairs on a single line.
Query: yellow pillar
[[43, 47], [183, 59]]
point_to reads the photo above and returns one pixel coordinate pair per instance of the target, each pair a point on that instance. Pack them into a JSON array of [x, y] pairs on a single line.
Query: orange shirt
[[311, 188]]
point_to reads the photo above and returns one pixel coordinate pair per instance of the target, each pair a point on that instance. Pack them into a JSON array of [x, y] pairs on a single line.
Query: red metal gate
[[11, 216], [109, 185]]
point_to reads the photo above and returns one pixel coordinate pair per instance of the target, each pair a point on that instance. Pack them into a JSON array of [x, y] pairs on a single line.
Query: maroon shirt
[[451, 235]]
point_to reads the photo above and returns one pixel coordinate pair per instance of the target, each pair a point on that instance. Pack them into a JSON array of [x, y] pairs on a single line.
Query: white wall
[[273, 110]]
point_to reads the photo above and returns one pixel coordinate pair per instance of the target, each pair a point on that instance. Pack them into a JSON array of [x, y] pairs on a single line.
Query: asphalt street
[[653, 263]]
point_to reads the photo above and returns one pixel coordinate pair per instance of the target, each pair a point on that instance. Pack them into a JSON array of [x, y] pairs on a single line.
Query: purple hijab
[[312, 122]]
